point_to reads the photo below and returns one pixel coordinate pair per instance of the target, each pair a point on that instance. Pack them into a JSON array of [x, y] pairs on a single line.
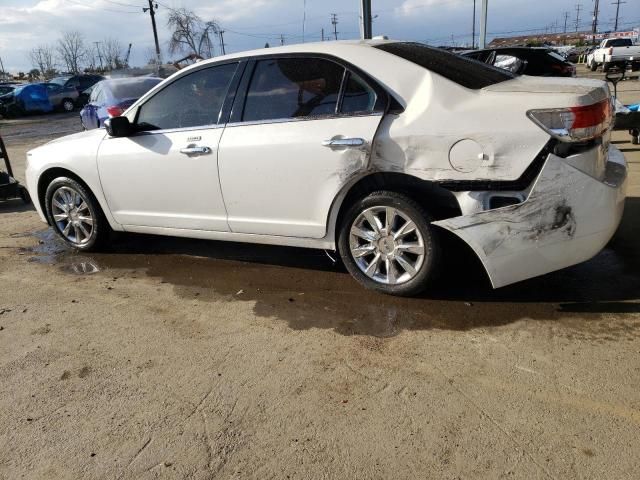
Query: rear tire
[[75, 215], [67, 105], [593, 66], [388, 244]]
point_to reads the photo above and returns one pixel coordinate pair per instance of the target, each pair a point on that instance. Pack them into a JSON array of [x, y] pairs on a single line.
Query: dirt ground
[[175, 358]]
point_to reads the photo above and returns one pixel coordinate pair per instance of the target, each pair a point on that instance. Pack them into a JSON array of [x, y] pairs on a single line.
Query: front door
[[306, 127], [167, 174]]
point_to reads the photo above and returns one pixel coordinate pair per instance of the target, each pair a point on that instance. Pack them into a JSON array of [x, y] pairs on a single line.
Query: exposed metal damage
[[558, 212]]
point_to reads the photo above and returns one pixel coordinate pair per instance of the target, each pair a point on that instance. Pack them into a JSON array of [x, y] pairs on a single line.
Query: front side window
[[283, 88], [191, 101]]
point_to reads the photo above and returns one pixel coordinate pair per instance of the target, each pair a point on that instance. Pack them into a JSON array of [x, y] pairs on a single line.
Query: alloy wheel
[[386, 245], [72, 215]]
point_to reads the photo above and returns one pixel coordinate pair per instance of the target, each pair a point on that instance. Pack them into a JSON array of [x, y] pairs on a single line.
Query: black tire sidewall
[[100, 227], [421, 218]]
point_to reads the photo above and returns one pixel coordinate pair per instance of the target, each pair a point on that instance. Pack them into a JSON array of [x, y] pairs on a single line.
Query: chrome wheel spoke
[[389, 219], [373, 266], [60, 206], [367, 235], [363, 250], [392, 275], [414, 248], [374, 221], [407, 228], [67, 229], [406, 265], [60, 216], [84, 231], [87, 220]]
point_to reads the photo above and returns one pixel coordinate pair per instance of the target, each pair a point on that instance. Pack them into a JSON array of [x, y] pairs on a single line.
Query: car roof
[[335, 48]]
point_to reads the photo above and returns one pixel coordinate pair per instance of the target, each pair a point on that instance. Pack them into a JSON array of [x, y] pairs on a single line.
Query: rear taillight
[[115, 111], [575, 124]]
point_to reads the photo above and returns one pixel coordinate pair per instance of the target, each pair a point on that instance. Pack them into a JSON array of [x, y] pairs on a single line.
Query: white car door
[[301, 128], [166, 174]]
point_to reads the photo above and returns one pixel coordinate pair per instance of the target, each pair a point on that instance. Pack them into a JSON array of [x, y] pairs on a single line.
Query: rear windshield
[[620, 42], [464, 71], [133, 88]]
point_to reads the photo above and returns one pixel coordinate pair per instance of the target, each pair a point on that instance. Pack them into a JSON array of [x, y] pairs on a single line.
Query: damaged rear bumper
[[568, 217]]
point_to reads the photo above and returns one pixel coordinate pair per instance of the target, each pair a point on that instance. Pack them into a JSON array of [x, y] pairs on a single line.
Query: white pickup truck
[[619, 52]]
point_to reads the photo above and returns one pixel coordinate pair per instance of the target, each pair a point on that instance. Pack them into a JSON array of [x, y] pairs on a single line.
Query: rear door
[[301, 128]]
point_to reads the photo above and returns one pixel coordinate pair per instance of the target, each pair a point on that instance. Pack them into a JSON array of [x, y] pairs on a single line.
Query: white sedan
[[368, 148]]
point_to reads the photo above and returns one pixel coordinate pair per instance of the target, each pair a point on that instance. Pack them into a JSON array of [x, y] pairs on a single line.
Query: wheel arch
[[438, 201], [52, 173]]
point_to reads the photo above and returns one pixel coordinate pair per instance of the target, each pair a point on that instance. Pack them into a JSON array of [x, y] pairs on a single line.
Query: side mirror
[[118, 127]]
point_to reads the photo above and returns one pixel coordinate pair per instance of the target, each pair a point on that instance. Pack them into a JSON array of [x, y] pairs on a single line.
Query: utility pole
[[281, 39], [473, 28], [366, 28], [334, 22], [2, 69], [99, 53], [221, 34], [322, 34], [596, 11], [566, 17], [578, 8], [483, 24], [617, 3], [152, 12]]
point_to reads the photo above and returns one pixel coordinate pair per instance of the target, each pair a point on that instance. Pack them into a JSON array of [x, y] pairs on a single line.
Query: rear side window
[[283, 88], [463, 71], [620, 42], [358, 96], [192, 100]]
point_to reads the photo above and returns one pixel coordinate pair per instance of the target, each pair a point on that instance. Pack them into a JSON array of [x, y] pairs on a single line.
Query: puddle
[[304, 288]]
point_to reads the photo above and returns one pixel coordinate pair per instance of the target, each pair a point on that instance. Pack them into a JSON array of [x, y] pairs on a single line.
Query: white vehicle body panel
[[295, 203], [275, 183], [171, 189]]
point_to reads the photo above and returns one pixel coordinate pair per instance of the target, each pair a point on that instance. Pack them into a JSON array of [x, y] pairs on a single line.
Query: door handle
[[195, 150], [344, 142]]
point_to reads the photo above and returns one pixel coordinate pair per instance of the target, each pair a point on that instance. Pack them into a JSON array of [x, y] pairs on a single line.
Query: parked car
[[110, 98], [78, 82], [369, 148], [62, 98], [23, 99], [615, 52], [4, 89], [537, 61]]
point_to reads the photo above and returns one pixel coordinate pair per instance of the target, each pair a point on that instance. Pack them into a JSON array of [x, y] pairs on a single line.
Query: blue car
[[110, 98], [23, 99]]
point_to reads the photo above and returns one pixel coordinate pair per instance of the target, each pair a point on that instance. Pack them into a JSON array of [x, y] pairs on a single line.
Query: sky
[[248, 24]]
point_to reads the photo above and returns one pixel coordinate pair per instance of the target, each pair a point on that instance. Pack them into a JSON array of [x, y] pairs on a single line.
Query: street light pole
[[473, 29], [483, 24]]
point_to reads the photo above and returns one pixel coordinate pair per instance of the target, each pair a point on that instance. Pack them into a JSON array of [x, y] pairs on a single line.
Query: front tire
[[75, 214], [388, 244]]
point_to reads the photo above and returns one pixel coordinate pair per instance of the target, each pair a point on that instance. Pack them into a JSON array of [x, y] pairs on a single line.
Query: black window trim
[[235, 80], [383, 99]]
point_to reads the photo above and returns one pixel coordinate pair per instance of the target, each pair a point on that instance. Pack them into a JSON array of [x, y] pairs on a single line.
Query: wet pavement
[[308, 290]]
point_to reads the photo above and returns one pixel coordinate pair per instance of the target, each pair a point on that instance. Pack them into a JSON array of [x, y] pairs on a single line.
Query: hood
[[77, 136]]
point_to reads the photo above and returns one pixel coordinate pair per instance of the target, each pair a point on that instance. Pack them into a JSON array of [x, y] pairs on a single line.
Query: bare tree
[[42, 58], [150, 55], [190, 34], [112, 54], [72, 50]]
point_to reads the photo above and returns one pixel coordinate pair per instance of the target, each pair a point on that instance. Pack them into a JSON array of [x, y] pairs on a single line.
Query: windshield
[[131, 88], [59, 80], [464, 71]]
